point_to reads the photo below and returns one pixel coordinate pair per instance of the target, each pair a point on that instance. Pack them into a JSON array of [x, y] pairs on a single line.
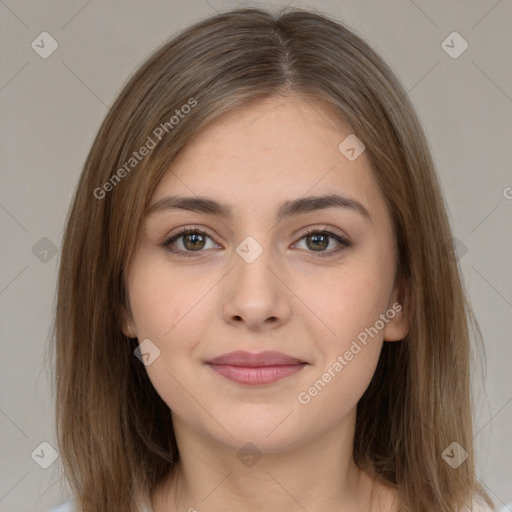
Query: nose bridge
[[255, 295], [253, 261]]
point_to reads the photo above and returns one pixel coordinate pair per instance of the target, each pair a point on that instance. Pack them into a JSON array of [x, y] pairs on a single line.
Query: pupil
[[195, 237], [316, 238]]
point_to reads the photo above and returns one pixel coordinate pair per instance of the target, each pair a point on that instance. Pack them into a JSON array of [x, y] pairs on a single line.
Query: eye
[[194, 240], [319, 239]]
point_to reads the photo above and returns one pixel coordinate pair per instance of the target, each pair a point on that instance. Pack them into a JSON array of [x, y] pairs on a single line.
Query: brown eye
[[193, 240], [317, 241]]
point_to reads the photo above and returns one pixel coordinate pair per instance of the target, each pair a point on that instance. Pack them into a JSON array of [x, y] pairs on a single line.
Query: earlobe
[[398, 325], [128, 331], [127, 325]]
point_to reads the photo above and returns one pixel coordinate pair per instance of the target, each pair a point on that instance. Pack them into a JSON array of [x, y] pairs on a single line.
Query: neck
[[316, 475]]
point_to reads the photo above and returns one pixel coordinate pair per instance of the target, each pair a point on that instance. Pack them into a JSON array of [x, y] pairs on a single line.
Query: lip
[[256, 369], [267, 358]]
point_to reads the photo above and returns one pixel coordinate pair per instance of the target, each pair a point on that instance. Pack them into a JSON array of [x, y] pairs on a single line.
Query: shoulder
[[479, 507], [69, 506]]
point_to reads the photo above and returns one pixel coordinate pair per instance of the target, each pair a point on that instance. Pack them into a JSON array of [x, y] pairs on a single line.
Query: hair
[[114, 432]]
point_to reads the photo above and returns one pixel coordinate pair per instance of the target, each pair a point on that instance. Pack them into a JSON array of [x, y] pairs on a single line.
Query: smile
[[256, 375]]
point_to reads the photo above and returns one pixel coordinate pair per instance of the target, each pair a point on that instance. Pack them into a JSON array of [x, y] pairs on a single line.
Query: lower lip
[[256, 375]]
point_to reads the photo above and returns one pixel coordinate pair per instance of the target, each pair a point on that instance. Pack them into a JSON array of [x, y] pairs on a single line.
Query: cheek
[[347, 301], [351, 306], [171, 308], [351, 352], [333, 394], [162, 299], [168, 308]]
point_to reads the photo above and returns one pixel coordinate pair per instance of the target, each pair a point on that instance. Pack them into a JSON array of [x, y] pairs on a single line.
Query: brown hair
[[114, 432]]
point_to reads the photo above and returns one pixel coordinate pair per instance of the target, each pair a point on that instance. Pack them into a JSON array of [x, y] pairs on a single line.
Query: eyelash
[[344, 243]]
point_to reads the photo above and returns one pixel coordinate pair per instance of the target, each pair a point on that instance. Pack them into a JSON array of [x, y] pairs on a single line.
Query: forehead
[[270, 151]]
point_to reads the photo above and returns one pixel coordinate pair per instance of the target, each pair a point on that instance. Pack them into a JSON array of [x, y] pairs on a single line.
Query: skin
[[290, 299]]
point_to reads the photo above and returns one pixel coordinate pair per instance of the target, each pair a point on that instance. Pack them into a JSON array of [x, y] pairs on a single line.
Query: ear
[[398, 311], [127, 323]]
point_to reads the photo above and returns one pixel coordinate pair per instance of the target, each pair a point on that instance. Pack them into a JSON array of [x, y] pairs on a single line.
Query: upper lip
[[267, 358]]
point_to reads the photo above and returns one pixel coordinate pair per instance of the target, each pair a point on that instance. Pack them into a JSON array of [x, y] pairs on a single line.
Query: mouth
[[256, 369]]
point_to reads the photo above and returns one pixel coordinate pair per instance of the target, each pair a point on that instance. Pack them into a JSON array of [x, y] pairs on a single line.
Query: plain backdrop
[[52, 107]]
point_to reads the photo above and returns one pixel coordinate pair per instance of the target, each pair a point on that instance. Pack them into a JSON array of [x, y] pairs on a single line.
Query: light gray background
[[51, 109]]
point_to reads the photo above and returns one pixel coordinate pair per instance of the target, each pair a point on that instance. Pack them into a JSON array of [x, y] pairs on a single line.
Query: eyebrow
[[206, 205]]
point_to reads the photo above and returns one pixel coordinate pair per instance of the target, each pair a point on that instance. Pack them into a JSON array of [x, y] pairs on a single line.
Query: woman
[[259, 307]]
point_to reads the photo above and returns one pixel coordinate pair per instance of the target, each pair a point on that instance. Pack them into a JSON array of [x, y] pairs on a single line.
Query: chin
[[268, 433]]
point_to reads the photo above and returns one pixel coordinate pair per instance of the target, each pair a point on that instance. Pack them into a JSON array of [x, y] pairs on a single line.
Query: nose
[[256, 296]]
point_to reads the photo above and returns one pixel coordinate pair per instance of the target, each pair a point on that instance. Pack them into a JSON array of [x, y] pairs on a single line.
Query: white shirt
[[69, 507]]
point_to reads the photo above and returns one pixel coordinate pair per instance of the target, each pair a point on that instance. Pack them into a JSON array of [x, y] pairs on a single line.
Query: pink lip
[[262, 368], [243, 358]]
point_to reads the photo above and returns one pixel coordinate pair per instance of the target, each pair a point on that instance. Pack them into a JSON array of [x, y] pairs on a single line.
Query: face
[[316, 283]]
